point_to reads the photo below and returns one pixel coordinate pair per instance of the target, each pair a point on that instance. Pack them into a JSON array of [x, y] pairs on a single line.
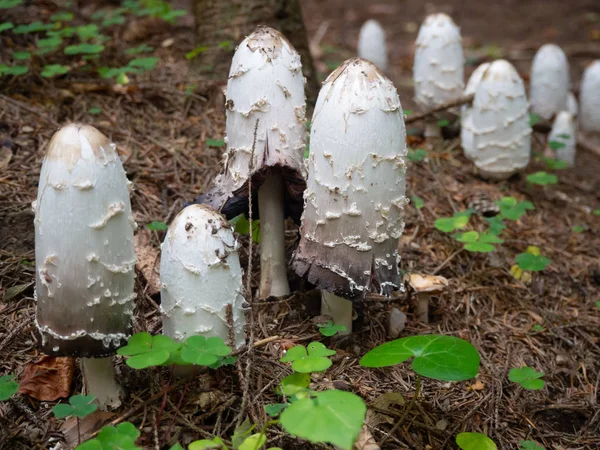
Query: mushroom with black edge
[[84, 255], [201, 278], [424, 287], [354, 200], [438, 70], [265, 84]]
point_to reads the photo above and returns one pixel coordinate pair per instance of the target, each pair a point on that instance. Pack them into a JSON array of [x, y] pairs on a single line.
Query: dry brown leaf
[[477, 386], [48, 379], [365, 440], [147, 261], [87, 426]]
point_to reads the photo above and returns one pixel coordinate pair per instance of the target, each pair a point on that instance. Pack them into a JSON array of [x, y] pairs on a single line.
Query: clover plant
[[475, 441], [527, 377]]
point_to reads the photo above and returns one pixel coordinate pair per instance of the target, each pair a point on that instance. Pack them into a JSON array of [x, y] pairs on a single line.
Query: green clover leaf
[[531, 262], [313, 358], [294, 383], [146, 351], [330, 329], [512, 209], [274, 409], [527, 377], [542, 178], [475, 441], [445, 358], [458, 221], [8, 387], [530, 445], [156, 226], [80, 406], [417, 155], [204, 351]]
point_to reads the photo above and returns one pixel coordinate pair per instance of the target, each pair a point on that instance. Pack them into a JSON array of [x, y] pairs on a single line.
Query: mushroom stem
[[338, 308], [432, 130], [273, 270], [422, 308], [99, 376]]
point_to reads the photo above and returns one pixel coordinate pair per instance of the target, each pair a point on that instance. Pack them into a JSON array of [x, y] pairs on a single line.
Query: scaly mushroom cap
[[354, 201], [438, 68], [83, 246], [550, 81], [564, 131], [201, 276], [500, 118], [466, 124], [371, 44], [427, 283], [265, 83], [589, 98]]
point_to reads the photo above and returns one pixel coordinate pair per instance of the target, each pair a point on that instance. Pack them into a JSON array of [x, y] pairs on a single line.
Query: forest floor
[[161, 123]]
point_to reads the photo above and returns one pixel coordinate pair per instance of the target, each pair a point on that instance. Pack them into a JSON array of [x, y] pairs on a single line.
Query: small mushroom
[[354, 200], [84, 255], [589, 98], [466, 123], [438, 68], [425, 286], [265, 84], [201, 277], [500, 119], [564, 131], [550, 81], [371, 44]]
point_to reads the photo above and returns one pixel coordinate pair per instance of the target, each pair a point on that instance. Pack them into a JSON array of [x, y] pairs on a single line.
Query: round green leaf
[[204, 352], [294, 383], [294, 353], [532, 263], [318, 349], [150, 359], [138, 343], [479, 247], [204, 444], [331, 416], [253, 442], [527, 377], [444, 358], [311, 364], [475, 441]]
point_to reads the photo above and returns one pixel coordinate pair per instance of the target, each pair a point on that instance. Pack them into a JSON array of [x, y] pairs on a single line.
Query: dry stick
[[467, 99], [407, 410], [250, 352]]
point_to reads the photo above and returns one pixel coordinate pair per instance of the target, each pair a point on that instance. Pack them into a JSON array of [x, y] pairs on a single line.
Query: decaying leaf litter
[[162, 135]]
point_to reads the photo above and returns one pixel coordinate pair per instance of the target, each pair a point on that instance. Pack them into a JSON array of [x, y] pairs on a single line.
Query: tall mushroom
[[438, 68], [84, 255], [371, 44], [466, 123], [265, 84], [500, 118], [589, 98], [563, 133], [201, 277], [354, 200], [550, 81]]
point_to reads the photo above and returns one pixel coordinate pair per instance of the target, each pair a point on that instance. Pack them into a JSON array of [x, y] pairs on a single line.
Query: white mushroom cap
[[427, 283], [371, 44], [550, 81], [589, 98], [572, 105], [265, 83], [201, 276], [354, 201], [438, 68], [466, 130], [564, 130], [83, 246], [502, 134]]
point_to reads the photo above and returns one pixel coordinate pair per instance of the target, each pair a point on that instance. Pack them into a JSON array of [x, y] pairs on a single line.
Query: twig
[[467, 99], [407, 410], [31, 109]]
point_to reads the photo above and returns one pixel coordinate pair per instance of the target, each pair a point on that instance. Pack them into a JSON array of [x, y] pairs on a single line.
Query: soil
[[551, 324]]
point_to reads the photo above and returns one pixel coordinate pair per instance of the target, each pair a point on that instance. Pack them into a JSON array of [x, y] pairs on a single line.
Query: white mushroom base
[[338, 308], [99, 378]]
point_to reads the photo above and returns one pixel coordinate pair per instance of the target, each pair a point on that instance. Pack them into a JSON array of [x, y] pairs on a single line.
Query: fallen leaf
[[365, 440], [87, 426], [477, 386], [147, 261], [48, 379], [13, 291]]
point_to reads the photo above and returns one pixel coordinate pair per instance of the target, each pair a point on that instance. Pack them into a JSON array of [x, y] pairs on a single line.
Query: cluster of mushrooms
[[348, 197]]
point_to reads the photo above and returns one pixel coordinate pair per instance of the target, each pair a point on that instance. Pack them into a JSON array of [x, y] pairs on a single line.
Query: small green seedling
[[8, 387], [330, 329], [312, 358], [475, 441], [596, 212], [6, 26], [527, 377], [177, 446], [156, 226], [417, 155], [530, 445], [496, 224], [241, 225], [13, 70], [21, 55], [62, 16], [84, 49], [532, 262], [556, 145], [553, 163], [537, 328], [53, 70], [598, 305], [143, 48], [121, 437], [217, 143], [542, 178], [478, 242], [274, 409], [445, 358], [79, 406], [458, 221], [6, 4], [417, 201], [443, 123], [95, 110], [512, 209], [579, 228]]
